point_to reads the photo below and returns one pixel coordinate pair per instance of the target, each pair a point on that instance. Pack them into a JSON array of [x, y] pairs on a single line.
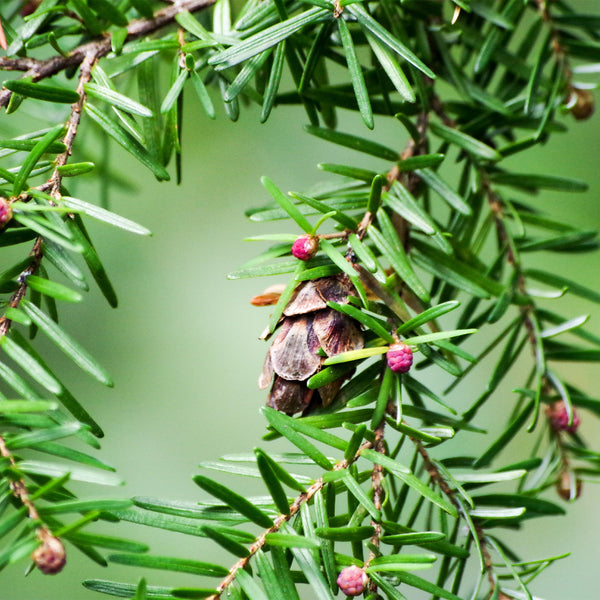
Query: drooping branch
[[50, 556]]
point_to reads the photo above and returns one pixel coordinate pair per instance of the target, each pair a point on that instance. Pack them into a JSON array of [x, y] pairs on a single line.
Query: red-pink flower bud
[[352, 580], [559, 417], [399, 357], [5, 212], [305, 247]]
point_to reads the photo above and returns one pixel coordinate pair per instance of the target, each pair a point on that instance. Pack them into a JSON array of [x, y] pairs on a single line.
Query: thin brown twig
[[281, 520], [437, 479], [19, 294], [18, 487], [85, 75], [54, 185], [19, 490], [378, 496], [529, 320]]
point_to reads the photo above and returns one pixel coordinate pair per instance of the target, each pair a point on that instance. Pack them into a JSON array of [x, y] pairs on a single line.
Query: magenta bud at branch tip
[[305, 247], [399, 357], [5, 212], [352, 580], [559, 417]]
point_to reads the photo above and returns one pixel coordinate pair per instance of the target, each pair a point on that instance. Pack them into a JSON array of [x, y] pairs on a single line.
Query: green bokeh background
[[183, 347]]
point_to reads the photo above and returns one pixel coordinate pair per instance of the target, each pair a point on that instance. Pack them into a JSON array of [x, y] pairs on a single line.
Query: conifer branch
[[378, 497], [437, 478], [18, 486], [50, 556], [41, 69], [53, 184], [282, 519]]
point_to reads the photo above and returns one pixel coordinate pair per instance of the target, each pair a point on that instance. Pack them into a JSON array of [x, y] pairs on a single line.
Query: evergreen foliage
[[428, 254]]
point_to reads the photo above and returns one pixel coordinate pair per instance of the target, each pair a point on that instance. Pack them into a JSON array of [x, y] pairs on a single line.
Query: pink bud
[[5, 212], [305, 247], [559, 417], [399, 357], [352, 580]]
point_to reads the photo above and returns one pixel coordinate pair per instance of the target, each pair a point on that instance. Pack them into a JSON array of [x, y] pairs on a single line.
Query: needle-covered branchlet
[[282, 519], [50, 556], [41, 69]]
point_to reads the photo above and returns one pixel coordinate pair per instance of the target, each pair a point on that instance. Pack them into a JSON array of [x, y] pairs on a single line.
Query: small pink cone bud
[[559, 417], [305, 247], [352, 580], [399, 357], [50, 557], [5, 212]]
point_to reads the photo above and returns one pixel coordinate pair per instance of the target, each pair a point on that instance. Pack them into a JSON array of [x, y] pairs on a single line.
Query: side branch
[[378, 495], [73, 123], [281, 520], [50, 556], [41, 69]]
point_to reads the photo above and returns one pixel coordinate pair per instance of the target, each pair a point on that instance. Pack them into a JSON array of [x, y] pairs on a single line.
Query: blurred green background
[[183, 347]]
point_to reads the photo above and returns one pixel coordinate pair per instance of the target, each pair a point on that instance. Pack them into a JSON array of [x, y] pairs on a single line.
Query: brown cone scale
[[309, 332]]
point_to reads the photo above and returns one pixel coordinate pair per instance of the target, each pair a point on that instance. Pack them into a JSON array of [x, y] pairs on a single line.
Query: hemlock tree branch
[[302, 499], [395, 268], [42, 69]]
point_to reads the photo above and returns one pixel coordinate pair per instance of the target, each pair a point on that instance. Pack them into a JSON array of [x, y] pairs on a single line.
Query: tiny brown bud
[[30, 7], [568, 486], [5, 212], [580, 104], [50, 557]]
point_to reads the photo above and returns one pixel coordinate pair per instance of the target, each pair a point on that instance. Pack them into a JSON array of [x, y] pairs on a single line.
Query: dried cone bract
[[309, 326], [581, 104], [568, 486]]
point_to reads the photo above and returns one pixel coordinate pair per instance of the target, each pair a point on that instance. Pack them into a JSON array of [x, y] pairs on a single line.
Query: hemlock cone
[[308, 326]]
